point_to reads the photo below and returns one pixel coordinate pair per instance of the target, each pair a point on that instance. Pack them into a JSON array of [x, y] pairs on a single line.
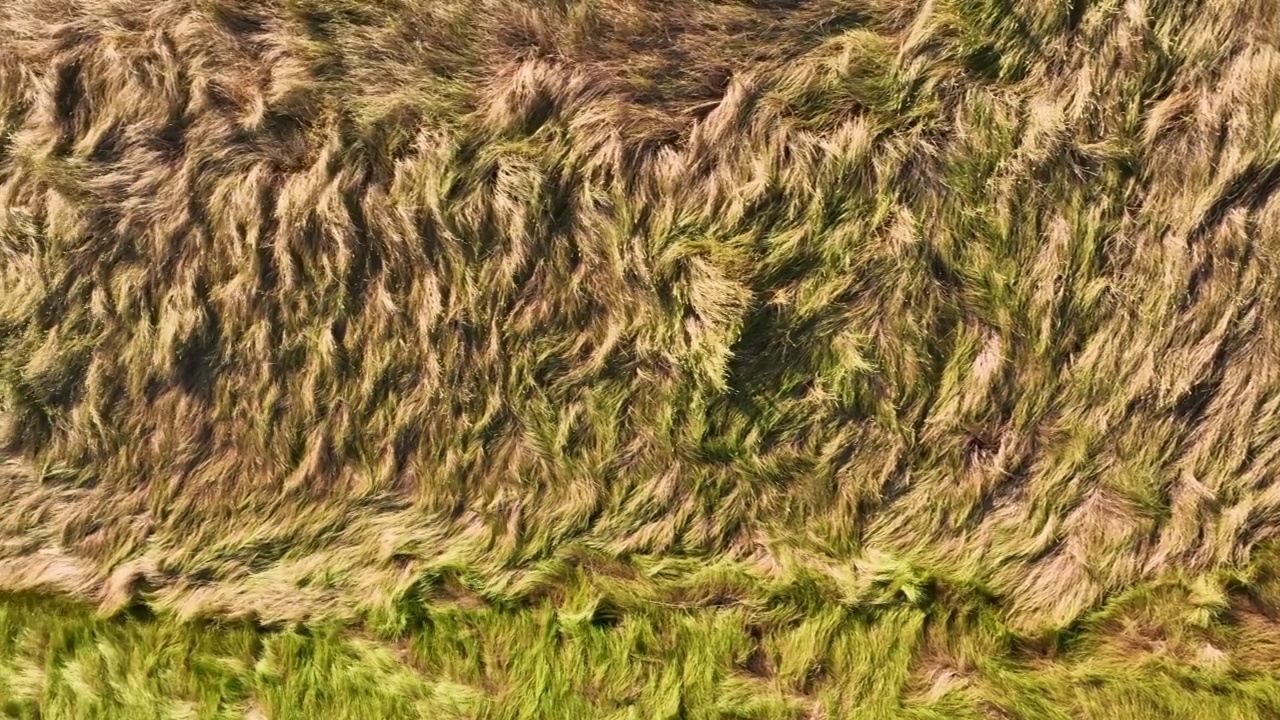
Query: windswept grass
[[1144, 654], [790, 358]]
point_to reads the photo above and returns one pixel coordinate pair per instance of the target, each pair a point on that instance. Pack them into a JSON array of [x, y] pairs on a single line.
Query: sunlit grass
[[786, 358]]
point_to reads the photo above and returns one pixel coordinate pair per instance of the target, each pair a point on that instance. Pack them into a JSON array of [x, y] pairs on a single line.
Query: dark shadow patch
[[110, 148], [203, 576], [68, 91], [70, 105], [606, 615], [14, 709], [138, 612], [1191, 407], [985, 62], [757, 664], [1250, 188], [170, 142], [1075, 15], [286, 134], [239, 22], [196, 368]]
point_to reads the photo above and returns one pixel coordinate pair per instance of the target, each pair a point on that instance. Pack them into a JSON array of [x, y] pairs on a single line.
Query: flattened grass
[[788, 358]]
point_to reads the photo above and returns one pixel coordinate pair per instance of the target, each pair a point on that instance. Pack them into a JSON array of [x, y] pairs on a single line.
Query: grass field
[[808, 359]]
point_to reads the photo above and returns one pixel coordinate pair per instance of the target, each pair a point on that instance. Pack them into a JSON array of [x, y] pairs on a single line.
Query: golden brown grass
[[324, 311]]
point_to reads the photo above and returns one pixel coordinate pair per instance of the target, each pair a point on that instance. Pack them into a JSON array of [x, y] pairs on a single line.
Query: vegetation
[[639, 358]]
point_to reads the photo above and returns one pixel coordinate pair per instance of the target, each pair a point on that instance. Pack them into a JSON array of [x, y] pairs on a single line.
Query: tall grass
[[803, 329]]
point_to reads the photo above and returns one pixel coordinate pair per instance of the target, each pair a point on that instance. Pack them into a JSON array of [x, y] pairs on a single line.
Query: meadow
[[779, 359]]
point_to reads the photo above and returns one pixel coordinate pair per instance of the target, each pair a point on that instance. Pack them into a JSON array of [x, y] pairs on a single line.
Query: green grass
[[1146, 653], [725, 358]]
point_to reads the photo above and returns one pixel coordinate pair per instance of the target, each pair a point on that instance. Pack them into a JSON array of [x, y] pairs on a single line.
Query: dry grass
[[835, 319]]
